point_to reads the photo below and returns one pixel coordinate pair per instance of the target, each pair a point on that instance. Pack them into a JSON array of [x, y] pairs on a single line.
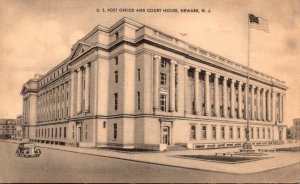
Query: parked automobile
[[28, 149]]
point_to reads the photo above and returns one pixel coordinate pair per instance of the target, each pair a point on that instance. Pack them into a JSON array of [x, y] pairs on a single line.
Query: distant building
[[133, 86], [296, 128], [7, 128], [19, 127]]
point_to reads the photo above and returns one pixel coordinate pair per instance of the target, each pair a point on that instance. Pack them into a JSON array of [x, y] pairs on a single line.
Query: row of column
[[264, 111], [53, 104], [83, 89]]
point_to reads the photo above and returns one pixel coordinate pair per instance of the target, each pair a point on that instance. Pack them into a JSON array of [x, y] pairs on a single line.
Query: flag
[[258, 23]]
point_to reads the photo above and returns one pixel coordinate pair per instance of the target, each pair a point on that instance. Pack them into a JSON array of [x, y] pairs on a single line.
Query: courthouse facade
[[133, 86]]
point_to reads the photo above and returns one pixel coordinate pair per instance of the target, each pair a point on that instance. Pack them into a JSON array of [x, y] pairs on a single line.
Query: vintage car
[[28, 149]]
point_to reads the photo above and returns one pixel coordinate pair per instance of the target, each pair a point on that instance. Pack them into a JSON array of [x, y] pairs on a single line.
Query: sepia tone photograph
[[150, 91]]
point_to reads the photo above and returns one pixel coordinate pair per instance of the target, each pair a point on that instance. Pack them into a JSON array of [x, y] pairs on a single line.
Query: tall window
[[116, 76], [55, 132], [163, 78], [223, 132], [52, 133], [252, 133], [138, 101], [163, 102], [116, 60], [163, 63], [139, 74], [203, 132], [230, 132], [59, 132], [73, 135], [115, 130], [264, 133], [269, 133], [238, 133], [258, 136], [193, 132], [214, 132], [65, 132], [117, 35], [86, 131], [116, 101]]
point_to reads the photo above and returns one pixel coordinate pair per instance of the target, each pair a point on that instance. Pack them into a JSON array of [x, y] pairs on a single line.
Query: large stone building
[[296, 128], [7, 128], [131, 85]]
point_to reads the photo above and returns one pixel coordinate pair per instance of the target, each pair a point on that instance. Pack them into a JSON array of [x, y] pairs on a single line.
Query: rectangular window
[[104, 124], [116, 60], [86, 131], [264, 133], [203, 132], [52, 133], [163, 63], [258, 136], [238, 133], [59, 132], [139, 74], [138, 100], [252, 133], [193, 132], [163, 102], [116, 101], [55, 132], [73, 135], [48, 132], [230, 133], [115, 131], [214, 132], [223, 132], [117, 35], [116, 77], [163, 78], [269, 133], [65, 132]]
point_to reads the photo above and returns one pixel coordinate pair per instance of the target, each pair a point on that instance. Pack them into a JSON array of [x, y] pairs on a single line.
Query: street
[[60, 166]]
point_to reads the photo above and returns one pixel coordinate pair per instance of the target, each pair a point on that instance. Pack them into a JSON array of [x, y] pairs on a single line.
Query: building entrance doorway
[[78, 133], [166, 135]]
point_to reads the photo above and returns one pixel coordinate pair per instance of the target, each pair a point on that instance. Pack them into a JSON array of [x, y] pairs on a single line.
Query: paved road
[[60, 166]]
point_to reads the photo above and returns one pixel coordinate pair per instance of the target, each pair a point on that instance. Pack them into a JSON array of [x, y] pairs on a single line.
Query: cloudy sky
[[37, 35]]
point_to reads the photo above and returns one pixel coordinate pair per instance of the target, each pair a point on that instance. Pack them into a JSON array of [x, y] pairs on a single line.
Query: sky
[[36, 35]]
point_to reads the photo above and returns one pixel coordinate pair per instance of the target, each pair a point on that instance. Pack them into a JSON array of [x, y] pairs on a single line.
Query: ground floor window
[[252, 133], [193, 132], [238, 133], [214, 132], [230, 132], [115, 131], [258, 132], [65, 132], [264, 133], [203, 132], [223, 132], [269, 133]]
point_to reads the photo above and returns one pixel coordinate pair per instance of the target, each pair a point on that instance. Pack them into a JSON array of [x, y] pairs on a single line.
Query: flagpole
[[248, 85]]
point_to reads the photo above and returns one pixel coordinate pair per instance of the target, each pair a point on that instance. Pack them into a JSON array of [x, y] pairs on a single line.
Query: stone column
[[197, 99], [264, 104], [180, 88], [284, 108], [280, 107], [87, 88], [186, 68], [156, 73], [79, 89], [269, 105], [216, 96], [274, 106], [240, 96], [207, 95], [252, 103], [232, 93], [172, 86], [225, 108], [72, 94], [258, 103]]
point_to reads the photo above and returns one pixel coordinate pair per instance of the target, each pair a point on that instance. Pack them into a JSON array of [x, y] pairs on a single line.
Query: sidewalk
[[277, 160]]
